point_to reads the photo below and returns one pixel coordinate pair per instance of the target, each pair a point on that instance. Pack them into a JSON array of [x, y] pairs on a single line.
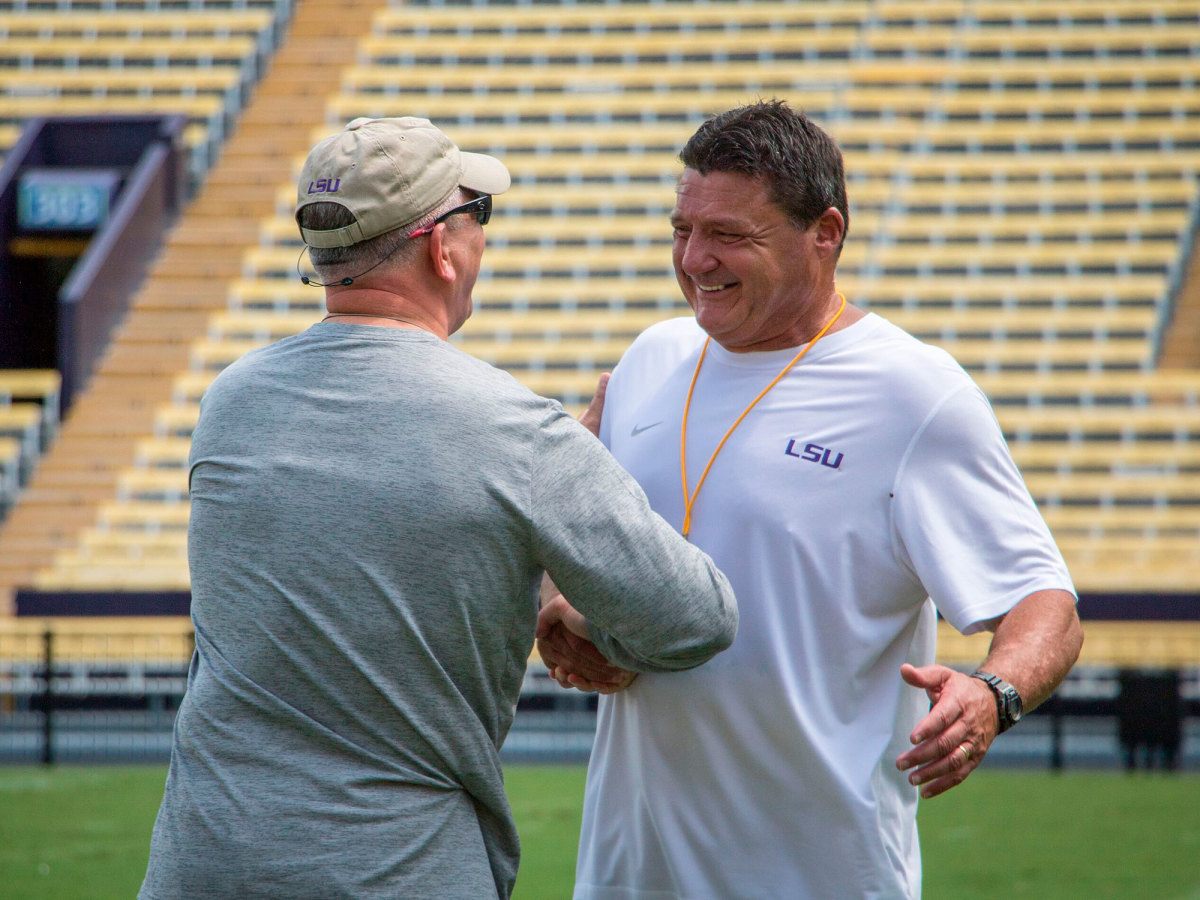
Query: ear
[[439, 254], [828, 230]]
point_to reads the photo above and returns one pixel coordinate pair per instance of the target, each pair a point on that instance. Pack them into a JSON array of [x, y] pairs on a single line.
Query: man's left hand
[[952, 740]]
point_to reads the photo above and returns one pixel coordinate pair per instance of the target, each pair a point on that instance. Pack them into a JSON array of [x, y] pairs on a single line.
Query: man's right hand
[[572, 659]]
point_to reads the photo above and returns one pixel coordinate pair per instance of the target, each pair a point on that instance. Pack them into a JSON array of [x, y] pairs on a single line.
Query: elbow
[[717, 626], [710, 634], [681, 636], [1075, 639], [728, 626]]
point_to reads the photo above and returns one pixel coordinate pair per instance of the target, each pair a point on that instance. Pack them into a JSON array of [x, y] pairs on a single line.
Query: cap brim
[[484, 173]]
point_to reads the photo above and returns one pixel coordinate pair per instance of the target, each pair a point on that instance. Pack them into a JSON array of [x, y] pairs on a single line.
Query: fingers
[[571, 680], [952, 740], [945, 712], [942, 762], [546, 620], [946, 708], [570, 657], [949, 771], [619, 683], [576, 662], [595, 410]]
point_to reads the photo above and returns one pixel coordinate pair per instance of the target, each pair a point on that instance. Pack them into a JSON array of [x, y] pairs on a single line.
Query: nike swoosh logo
[[638, 429]]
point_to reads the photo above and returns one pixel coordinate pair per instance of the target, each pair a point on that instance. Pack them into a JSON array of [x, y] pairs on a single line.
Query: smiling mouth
[[712, 288]]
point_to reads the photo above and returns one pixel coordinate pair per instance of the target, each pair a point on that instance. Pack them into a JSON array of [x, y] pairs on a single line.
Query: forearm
[[685, 633], [1035, 645], [653, 602]]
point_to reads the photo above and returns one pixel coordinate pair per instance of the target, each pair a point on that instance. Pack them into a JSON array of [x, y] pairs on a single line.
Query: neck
[[802, 329], [385, 324], [388, 307]]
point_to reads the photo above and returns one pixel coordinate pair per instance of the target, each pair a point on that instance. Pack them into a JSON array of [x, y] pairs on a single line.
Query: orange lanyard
[[690, 500]]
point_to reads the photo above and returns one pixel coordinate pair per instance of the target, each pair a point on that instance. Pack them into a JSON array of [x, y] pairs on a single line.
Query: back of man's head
[[798, 162], [363, 191]]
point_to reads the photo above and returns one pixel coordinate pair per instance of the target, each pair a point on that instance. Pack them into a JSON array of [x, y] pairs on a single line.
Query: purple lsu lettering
[[324, 186], [815, 453]]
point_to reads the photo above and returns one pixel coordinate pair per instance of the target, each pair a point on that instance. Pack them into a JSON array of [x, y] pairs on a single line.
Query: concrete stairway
[[190, 279], [1181, 343]]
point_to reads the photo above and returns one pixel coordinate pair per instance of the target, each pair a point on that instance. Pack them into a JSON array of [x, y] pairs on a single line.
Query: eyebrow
[[720, 224]]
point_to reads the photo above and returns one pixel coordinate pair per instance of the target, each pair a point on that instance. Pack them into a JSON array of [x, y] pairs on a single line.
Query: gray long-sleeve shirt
[[371, 513]]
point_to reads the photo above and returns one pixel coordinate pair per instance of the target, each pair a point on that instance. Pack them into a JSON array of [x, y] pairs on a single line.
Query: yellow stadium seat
[[143, 516], [156, 453], [1107, 457], [513, 46], [71, 53], [129, 23], [10, 472], [176, 420], [421, 21], [168, 544], [22, 422], [1138, 388], [1102, 423], [165, 485], [555, 324], [258, 326], [120, 575]]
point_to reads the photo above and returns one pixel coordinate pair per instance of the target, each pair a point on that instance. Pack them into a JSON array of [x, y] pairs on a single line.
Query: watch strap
[[1008, 700]]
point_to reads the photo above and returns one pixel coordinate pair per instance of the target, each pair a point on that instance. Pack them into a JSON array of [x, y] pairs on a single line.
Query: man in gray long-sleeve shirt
[[372, 511]]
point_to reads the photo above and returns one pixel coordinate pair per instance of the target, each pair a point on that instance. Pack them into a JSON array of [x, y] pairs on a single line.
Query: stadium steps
[[99, 436], [1181, 339]]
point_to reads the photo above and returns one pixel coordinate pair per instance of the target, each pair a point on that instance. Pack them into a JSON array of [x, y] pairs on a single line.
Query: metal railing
[[108, 691]]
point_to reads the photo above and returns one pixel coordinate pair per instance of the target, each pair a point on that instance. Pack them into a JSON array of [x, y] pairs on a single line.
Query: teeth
[[713, 287]]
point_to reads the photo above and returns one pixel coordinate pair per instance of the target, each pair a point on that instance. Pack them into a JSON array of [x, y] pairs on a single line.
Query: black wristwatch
[[1008, 702]]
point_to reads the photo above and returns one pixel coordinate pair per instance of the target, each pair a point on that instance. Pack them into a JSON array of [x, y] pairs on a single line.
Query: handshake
[[568, 653]]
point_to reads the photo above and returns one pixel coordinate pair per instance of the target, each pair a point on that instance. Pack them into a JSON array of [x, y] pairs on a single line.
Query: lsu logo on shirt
[[815, 453]]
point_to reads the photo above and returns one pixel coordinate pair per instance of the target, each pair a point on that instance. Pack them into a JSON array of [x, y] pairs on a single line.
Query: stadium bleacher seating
[[29, 414], [1023, 180], [201, 61]]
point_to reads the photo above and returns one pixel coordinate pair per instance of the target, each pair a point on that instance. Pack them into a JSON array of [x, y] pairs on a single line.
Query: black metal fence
[[75, 696], [110, 695]]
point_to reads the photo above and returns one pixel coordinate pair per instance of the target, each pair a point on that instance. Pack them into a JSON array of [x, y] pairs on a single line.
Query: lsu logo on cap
[[324, 186]]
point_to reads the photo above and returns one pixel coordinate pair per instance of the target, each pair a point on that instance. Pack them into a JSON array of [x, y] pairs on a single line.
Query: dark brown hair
[[800, 165]]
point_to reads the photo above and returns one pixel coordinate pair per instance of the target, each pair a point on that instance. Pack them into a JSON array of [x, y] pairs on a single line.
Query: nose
[[696, 257]]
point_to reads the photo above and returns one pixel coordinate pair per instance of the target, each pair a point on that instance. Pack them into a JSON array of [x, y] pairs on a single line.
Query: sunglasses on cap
[[480, 208]]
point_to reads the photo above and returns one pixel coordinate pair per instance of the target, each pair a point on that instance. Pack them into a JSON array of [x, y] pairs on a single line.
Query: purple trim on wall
[[103, 603], [1097, 607]]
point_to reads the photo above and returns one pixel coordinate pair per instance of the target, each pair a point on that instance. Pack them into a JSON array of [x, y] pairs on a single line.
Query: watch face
[[1013, 707], [1009, 706]]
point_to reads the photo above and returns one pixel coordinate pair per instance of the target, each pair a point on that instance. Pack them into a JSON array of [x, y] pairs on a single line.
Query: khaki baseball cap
[[389, 173]]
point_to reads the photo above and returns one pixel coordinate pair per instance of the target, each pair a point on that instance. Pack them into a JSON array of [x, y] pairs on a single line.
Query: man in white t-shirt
[[852, 482]]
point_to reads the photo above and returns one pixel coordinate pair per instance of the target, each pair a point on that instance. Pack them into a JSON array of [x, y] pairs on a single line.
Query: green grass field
[[71, 833]]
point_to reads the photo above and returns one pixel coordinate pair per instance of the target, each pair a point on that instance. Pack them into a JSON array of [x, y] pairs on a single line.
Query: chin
[[713, 320]]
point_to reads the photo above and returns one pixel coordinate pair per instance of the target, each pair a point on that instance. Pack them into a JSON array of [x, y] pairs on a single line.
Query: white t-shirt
[[873, 477]]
